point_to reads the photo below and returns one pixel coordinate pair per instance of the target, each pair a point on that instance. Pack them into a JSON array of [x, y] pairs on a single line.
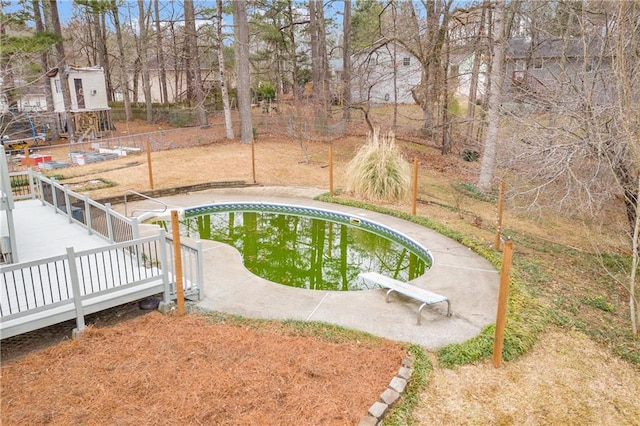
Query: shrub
[[378, 172]]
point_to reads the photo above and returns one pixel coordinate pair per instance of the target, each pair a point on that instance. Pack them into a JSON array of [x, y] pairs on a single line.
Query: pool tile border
[[333, 216]]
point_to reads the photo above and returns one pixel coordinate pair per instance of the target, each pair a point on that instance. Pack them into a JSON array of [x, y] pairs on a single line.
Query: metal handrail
[[130, 191]]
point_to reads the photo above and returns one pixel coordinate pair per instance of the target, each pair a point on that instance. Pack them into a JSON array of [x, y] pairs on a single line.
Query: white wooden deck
[[35, 294], [42, 233]]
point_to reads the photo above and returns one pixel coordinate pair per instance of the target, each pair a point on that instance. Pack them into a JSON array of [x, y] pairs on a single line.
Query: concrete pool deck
[[468, 280]]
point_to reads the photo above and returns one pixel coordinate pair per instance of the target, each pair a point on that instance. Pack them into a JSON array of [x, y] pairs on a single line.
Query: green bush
[[266, 92], [378, 172]]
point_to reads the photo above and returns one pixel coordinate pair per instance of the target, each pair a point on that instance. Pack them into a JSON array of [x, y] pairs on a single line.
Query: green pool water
[[306, 252]]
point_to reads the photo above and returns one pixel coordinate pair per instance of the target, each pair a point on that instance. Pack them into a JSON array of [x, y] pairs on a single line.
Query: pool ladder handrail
[[130, 191]]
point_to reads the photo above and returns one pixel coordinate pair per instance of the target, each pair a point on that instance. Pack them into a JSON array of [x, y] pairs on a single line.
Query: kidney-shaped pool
[[305, 247]]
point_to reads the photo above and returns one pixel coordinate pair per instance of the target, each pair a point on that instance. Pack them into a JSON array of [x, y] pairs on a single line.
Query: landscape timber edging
[[165, 192]]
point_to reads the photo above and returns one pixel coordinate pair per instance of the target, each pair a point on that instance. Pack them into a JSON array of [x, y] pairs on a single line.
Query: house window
[[58, 86], [406, 61]]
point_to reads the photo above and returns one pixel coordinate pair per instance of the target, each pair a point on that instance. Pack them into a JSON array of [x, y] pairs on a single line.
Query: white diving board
[[406, 289]]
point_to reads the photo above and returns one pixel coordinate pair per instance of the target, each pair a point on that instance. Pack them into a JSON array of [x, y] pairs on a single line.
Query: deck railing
[[192, 268], [48, 291], [97, 218], [44, 292], [22, 185]]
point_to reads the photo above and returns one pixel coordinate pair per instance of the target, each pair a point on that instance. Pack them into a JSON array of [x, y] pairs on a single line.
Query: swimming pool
[[308, 247]]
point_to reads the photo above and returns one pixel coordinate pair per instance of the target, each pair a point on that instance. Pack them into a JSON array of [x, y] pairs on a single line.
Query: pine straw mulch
[[162, 369]]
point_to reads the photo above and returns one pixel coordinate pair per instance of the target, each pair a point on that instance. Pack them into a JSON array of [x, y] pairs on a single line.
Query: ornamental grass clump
[[378, 172]]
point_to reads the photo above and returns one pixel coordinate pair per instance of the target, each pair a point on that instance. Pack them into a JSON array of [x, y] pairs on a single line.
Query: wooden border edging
[[119, 199]]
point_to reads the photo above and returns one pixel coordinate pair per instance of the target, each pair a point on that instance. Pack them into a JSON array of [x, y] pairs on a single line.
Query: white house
[[374, 74], [460, 69]]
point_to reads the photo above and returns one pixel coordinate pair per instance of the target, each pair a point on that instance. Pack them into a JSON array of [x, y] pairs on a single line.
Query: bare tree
[[346, 61], [575, 91], [293, 48], [44, 58], [478, 39], [194, 61], [162, 72], [64, 74], [487, 169], [426, 42], [244, 70], [624, 156], [228, 125], [143, 49], [124, 80], [319, 66]]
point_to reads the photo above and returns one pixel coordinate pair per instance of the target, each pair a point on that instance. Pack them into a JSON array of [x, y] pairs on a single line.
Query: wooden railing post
[[503, 298], [177, 259]]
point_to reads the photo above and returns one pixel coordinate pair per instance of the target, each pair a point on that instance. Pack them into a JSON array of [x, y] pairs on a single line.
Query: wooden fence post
[[503, 298], [177, 258], [27, 160], [149, 164]]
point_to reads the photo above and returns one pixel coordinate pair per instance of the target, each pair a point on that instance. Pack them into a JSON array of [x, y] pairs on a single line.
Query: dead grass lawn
[[565, 380]]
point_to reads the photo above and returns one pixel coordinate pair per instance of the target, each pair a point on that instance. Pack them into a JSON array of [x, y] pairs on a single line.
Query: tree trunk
[[106, 64], [144, 58], [244, 70], [44, 58], [394, 11], [101, 45], [137, 70], [177, 82], [162, 73], [192, 41], [124, 80], [346, 61], [293, 54], [446, 139], [228, 124], [64, 71], [634, 305], [318, 57], [487, 167], [475, 74], [425, 43]]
